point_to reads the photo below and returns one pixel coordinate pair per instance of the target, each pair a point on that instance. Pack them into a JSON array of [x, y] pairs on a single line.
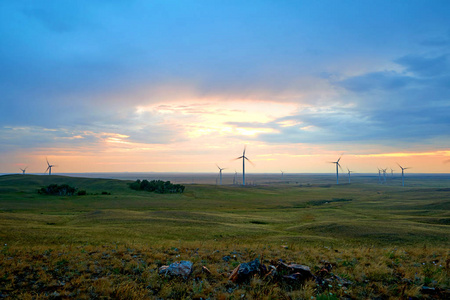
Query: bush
[[58, 190], [82, 193], [157, 186]]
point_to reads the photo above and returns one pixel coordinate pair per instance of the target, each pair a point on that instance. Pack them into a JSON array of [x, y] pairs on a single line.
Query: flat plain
[[385, 239]]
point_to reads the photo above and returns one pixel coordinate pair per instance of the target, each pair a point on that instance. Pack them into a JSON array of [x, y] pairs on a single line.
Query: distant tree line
[[63, 190], [157, 186], [58, 190]]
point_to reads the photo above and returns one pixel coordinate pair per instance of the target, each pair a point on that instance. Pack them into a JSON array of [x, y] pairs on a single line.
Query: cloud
[[437, 41], [425, 66], [385, 81]]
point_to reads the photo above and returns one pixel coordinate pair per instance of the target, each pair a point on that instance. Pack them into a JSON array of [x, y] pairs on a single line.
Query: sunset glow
[[159, 87]]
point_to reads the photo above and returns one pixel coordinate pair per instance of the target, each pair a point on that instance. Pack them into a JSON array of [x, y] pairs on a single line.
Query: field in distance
[[303, 221], [312, 214]]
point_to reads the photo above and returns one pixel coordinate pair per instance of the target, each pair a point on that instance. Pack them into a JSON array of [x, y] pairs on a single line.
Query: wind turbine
[[384, 174], [243, 164], [23, 170], [49, 168], [349, 174], [337, 169], [220, 174], [403, 173], [392, 172], [379, 175], [234, 179], [282, 174]]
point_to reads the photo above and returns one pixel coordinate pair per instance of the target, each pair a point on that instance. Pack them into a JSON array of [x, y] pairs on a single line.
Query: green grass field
[[288, 219]]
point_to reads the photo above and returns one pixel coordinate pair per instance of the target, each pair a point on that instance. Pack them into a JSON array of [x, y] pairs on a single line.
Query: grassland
[[389, 241]]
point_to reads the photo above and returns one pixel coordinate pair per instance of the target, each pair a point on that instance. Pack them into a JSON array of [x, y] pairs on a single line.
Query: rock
[[302, 270], [343, 281], [226, 258], [305, 271], [246, 270], [182, 268]]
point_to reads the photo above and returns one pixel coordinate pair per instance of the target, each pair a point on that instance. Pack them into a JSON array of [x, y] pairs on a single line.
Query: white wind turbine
[[23, 170], [220, 174], [49, 168], [337, 169], [384, 174], [392, 172], [235, 177], [243, 164], [403, 173], [379, 175], [282, 174], [349, 174]]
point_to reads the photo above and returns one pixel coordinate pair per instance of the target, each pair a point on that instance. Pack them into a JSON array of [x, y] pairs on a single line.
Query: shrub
[[58, 190], [157, 186]]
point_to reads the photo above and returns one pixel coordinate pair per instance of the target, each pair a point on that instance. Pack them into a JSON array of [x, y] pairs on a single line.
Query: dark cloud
[[425, 66], [437, 41], [386, 81], [387, 107]]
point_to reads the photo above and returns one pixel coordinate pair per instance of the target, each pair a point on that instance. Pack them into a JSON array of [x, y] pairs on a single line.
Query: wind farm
[[225, 150]]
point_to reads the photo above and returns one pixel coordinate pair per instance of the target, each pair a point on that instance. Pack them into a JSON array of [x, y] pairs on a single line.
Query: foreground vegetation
[[381, 241]]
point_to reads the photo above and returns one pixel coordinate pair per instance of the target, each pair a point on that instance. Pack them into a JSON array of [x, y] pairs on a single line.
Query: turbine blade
[[339, 159], [249, 161], [245, 148], [47, 161]]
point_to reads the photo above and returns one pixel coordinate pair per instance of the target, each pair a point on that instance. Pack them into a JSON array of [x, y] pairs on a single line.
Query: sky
[[180, 86]]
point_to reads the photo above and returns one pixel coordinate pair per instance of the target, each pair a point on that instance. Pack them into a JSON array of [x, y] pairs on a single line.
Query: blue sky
[[181, 85]]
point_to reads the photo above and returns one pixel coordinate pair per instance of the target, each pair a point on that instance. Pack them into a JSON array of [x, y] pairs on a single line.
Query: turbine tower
[[379, 175], [392, 172], [243, 164], [349, 174], [337, 169], [220, 174], [49, 168], [23, 170], [384, 174], [403, 173], [234, 178], [282, 174]]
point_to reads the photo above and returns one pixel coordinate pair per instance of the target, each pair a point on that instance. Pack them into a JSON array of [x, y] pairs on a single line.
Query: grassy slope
[[111, 246], [276, 214]]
